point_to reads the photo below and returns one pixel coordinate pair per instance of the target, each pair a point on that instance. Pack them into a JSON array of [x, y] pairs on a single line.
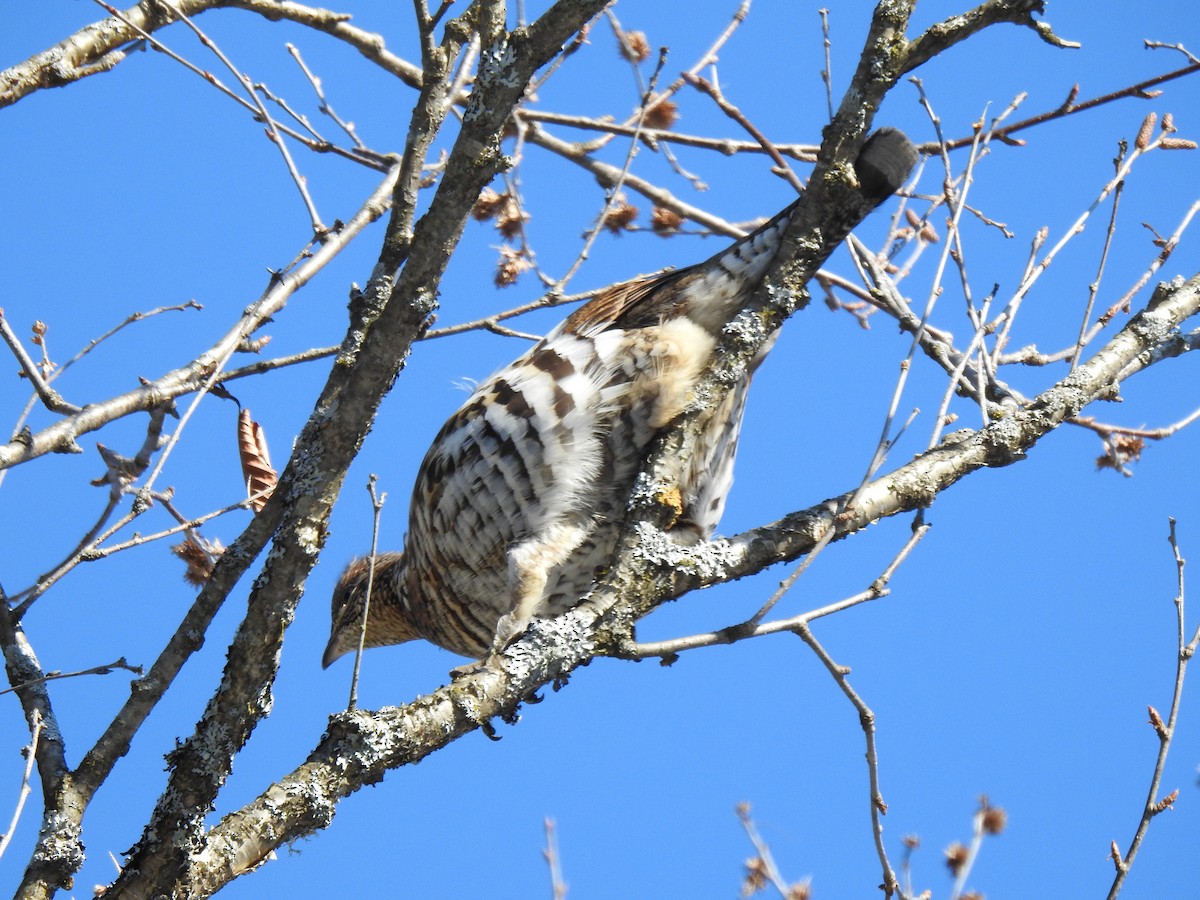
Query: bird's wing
[[631, 304]]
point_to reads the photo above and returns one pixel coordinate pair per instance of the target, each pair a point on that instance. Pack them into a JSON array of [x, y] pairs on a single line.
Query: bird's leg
[[530, 563]]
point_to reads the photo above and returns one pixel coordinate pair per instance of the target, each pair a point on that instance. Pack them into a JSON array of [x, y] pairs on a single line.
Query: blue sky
[[1015, 656]]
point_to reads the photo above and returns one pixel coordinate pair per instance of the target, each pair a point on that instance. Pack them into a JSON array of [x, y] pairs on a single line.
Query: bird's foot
[[509, 628]]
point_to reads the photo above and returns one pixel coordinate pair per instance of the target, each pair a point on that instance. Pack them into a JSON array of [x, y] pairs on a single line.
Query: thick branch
[[101, 46], [24, 671], [958, 28], [96, 48], [337, 25]]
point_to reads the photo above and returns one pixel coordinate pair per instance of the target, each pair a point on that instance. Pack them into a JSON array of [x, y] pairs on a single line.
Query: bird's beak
[[332, 652]]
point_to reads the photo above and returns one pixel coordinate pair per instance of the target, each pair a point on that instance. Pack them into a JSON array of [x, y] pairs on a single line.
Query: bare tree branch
[[1165, 731]]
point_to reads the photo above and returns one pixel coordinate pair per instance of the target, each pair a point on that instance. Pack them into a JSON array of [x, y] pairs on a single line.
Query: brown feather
[[620, 303]]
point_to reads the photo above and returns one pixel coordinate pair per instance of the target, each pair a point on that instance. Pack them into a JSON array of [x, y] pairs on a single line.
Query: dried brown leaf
[[257, 472], [665, 221], [956, 857], [620, 217], [661, 115], [634, 46], [993, 819], [200, 555], [489, 204], [510, 267], [756, 878]]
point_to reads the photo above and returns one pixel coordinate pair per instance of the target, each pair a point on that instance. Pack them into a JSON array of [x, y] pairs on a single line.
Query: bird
[[519, 501]]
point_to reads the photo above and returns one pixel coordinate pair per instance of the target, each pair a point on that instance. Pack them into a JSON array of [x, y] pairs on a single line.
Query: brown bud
[[510, 222], [512, 263], [665, 221], [993, 819], [489, 204], [254, 346], [1166, 802], [956, 857], [634, 46], [756, 878], [1146, 132], [620, 217], [200, 555], [662, 115]]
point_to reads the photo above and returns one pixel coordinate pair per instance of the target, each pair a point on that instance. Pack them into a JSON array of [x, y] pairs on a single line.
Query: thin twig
[[1159, 45], [1139, 90], [51, 398], [1165, 731], [956, 202], [614, 189], [827, 71], [656, 136], [554, 860], [318, 227], [1004, 321], [298, 117], [866, 719], [490, 323], [988, 820], [766, 867], [1166, 248], [377, 501], [35, 733], [270, 365], [130, 319], [106, 669], [365, 157], [732, 111], [668, 649], [184, 526], [1156, 434], [1094, 287]]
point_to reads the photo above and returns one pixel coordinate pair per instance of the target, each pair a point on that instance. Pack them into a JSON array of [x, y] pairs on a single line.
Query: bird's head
[[387, 621]]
